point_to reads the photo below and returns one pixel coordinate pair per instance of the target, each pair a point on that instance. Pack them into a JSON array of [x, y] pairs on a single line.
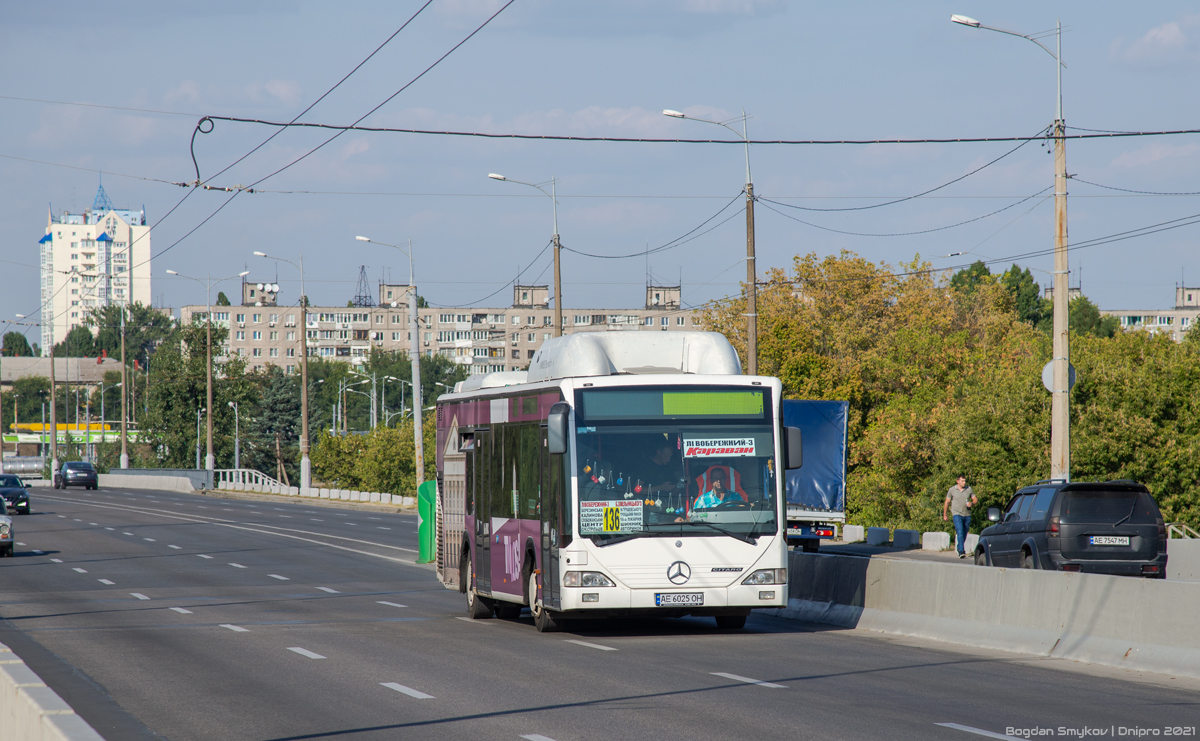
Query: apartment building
[[1174, 322], [484, 339], [97, 258]]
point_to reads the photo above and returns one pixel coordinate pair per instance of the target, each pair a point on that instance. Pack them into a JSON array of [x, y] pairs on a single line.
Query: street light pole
[[1060, 412], [305, 463], [414, 352], [210, 461], [751, 267], [237, 436], [558, 304]]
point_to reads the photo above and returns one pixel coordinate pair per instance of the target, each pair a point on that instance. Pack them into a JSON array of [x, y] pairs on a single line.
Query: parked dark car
[[76, 473], [14, 493], [1110, 527]]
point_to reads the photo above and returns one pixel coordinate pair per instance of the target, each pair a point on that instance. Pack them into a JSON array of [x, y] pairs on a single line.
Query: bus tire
[[731, 622], [478, 608], [542, 619]]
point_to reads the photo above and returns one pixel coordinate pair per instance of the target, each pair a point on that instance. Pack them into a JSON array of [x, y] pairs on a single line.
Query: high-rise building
[[97, 258]]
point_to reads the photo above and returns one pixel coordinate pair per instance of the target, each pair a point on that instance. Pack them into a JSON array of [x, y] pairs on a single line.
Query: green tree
[[28, 393], [969, 279], [1083, 317], [79, 343], [16, 346], [1027, 299], [145, 329], [271, 433], [382, 460], [222, 299]]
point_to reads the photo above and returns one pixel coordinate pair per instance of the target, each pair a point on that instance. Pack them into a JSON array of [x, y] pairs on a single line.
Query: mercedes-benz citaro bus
[[624, 474]]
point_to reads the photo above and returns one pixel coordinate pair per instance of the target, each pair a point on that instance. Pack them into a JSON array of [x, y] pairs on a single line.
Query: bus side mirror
[[558, 428], [793, 452]]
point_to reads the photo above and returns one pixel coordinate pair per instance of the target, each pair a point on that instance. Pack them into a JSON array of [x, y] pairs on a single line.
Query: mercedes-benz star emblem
[[679, 572]]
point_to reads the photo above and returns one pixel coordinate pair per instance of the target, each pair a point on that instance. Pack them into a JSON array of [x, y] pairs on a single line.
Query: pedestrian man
[[959, 500]]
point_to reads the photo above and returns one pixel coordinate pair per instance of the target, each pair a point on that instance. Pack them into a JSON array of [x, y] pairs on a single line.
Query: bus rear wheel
[[542, 619]]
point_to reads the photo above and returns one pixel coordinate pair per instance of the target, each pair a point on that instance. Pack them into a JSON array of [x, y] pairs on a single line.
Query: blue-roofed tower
[[102, 204]]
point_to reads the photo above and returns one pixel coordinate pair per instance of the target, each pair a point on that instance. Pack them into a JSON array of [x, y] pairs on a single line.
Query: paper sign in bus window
[[612, 516], [723, 447]]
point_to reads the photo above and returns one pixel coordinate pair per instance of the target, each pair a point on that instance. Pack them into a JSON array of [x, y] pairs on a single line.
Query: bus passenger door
[[551, 522], [483, 511]]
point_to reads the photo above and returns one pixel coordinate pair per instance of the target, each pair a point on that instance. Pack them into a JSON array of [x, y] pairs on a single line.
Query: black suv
[[1110, 527], [76, 473]]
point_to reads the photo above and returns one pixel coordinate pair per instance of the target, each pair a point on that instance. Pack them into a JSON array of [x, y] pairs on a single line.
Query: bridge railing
[[244, 478], [1181, 530]]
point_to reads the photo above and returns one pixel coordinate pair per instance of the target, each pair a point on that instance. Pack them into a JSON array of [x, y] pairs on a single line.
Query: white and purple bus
[[624, 474]]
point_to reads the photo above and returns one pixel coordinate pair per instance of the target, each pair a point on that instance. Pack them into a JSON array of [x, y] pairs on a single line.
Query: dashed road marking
[[381, 527], [203, 556], [389, 604], [748, 680], [280, 578], [40, 553], [94, 524], [237, 565], [473, 620], [235, 628], [106, 581], [327, 589], [126, 533], [152, 540], [82, 571], [110, 528], [181, 611], [56, 560], [976, 731], [305, 652], [139, 595], [591, 645], [175, 547], [406, 690], [536, 737]]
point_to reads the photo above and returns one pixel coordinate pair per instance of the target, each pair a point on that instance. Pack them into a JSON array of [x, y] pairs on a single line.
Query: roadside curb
[[31, 711], [331, 503]]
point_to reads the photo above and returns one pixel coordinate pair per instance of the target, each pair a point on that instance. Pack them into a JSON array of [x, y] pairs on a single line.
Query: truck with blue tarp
[[816, 492]]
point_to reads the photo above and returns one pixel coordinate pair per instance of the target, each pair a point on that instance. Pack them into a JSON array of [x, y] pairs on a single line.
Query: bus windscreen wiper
[[730, 533]]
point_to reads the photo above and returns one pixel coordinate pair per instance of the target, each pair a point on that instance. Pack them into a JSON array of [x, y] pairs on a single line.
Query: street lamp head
[[495, 176], [230, 405], [259, 254], [20, 316], [964, 20], [363, 239], [673, 114], [243, 274], [172, 272]]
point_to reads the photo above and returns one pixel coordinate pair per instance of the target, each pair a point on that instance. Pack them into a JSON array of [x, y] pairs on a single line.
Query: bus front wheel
[[541, 616]]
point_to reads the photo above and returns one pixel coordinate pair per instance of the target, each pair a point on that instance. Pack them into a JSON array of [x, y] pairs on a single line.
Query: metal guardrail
[[1180, 530], [24, 464], [239, 478]]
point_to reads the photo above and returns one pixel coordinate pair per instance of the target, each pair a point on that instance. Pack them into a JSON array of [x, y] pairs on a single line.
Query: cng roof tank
[[615, 353]]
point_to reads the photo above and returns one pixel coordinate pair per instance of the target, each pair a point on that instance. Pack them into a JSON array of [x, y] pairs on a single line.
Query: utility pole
[[124, 399], [209, 461], [1060, 411], [305, 463], [54, 414], [414, 350], [558, 304]]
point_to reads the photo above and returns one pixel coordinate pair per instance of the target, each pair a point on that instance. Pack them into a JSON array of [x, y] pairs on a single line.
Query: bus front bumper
[[737, 599]]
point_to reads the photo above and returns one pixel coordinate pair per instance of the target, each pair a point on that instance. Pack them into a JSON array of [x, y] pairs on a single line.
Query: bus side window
[[529, 470]]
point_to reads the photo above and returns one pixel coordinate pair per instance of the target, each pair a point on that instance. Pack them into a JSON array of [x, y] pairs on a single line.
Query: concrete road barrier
[[852, 533], [935, 541], [1132, 623], [165, 483], [906, 539], [878, 536], [31, 711], [1183, 560]]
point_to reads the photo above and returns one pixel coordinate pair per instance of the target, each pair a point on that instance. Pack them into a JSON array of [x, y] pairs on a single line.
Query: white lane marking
[[352, 523], [152, 540], [280, 578], [106, 581], [339, 514], [110, 528], [56, 560], [235, 628], [473, 620], [182, 611], [389, 604], [126, 533], [237, 565], [204, 556], [315, 519], [201, 506], [305, 652], [381, 527], [82, 571], [227, 509], [40, 553], [327, 589], [96, 524], [748, 680], [374, 518], [976, 731], [406, 690], [78, 520], [286, 517], [591, 645], [139, 595], [175, 547], [536, 737], [19, 543], [63, 516]]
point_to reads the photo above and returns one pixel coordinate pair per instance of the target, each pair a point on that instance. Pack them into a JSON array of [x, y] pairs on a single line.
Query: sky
[[70, 71]]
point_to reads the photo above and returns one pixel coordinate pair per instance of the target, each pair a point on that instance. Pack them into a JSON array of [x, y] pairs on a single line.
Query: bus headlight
[[767, 576], [586, 579]]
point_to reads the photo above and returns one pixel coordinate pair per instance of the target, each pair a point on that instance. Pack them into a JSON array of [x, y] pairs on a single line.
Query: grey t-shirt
[[958, 500]]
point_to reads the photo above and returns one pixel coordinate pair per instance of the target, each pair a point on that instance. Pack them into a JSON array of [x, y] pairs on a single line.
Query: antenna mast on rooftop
[[362, 296], [102, 204]]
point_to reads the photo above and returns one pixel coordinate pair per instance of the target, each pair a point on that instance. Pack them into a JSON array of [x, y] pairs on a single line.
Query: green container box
[[426, 521]]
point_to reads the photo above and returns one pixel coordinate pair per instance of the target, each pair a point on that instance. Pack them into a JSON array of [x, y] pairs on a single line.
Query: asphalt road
[[158, 614]]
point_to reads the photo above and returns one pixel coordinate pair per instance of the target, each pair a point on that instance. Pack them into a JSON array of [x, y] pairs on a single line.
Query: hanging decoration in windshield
[[726, 447]]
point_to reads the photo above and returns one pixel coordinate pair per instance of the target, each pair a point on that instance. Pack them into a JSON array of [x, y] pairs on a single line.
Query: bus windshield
[[675, 461]]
